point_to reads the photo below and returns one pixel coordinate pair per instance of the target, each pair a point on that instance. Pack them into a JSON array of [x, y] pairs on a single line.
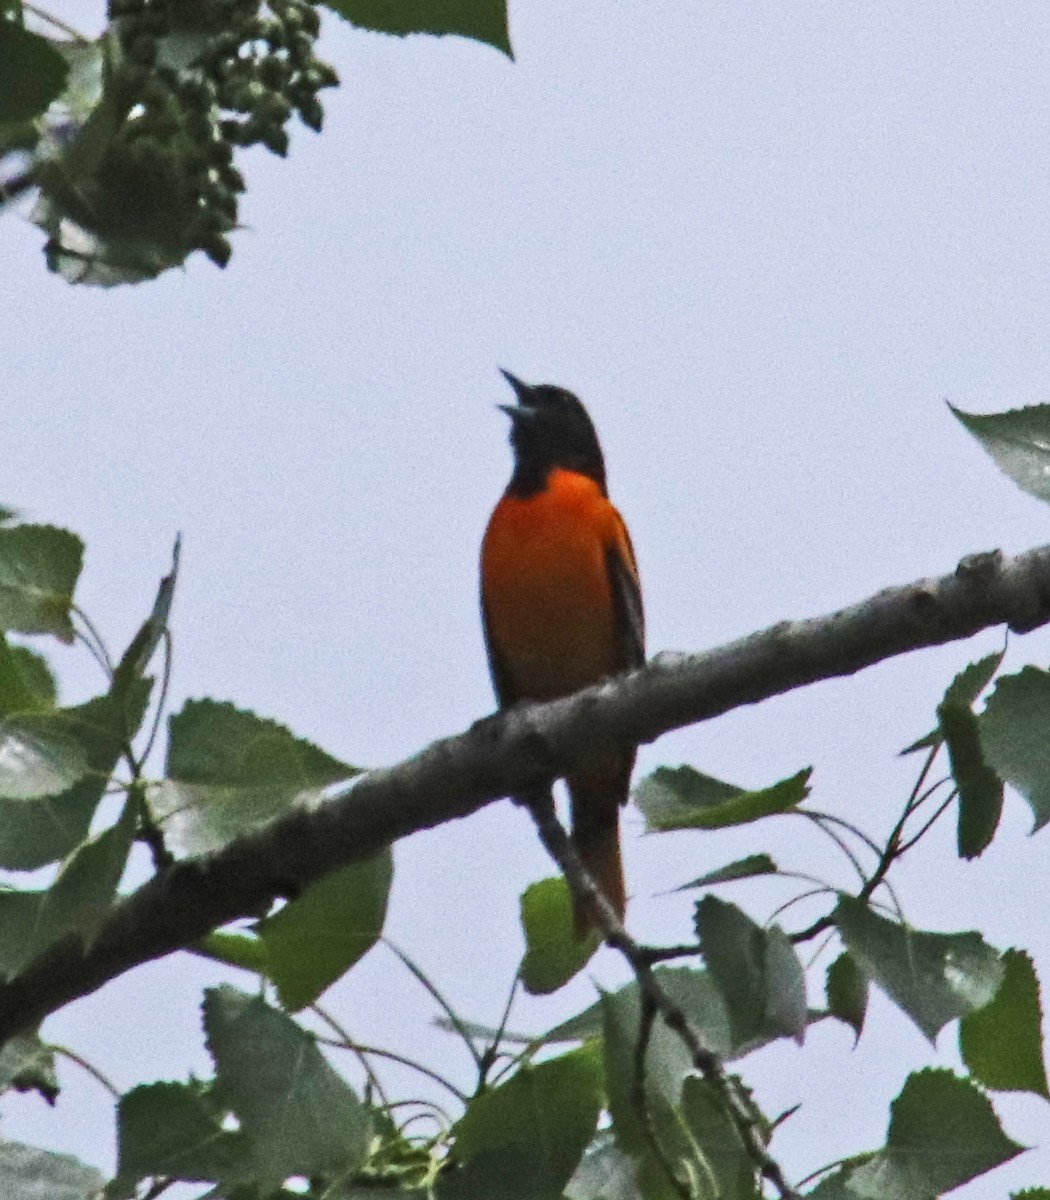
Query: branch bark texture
[[517, 750]]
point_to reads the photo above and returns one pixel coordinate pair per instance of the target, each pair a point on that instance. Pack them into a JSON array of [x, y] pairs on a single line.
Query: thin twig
[[441, 1117], [454, 1019], [361, 1049], [93, 650], [942, 808], [83, 1063], [823, 890], [103, 654], [490, 1054], [346, 1042], [657, 954], [822, 821], [17, 185], [559, 846], [640, 1098], [52, 20], [819, 950]]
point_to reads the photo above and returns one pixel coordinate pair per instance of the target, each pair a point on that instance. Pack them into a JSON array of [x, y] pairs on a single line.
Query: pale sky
[[764, 243]]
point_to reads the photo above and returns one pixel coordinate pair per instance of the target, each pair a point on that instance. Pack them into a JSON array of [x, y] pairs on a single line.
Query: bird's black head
[[550, 428]]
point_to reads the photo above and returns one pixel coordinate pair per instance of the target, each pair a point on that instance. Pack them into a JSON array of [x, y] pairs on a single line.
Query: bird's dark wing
[[627, 602], [497, 668]]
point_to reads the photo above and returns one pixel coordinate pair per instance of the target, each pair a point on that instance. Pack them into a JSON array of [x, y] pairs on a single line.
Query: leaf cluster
[[130, 140]]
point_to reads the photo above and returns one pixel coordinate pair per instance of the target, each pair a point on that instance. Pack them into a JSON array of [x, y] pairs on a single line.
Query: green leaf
[[835, 1186], [667, 1063], [27, 1065], [980, 789], [1002, 1043], [300, 1116], [962, 692], [973, 679], [27, 1173], [34, 73], [482, 20], [39, 568], [1013, 736], [847, 992], [19, 929], [1035, 1193], [81, 897], [682, 798], [1019, 442], [692, 1142], [40, 830], [943, 1132], [26, 682], [695, 992], [174, 1129], [742, 868], [40, 755], [230, 771], [757, 972], [77, 902], [216, 743], [933, 977], [604, 1173], [317, 938], [524, 1139], [33, 834], [786, 1011], [728, 1167], [583, 1025], [553, 953], [236, 949]]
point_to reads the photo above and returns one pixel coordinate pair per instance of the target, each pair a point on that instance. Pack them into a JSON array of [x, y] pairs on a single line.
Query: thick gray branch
[[507, 754]]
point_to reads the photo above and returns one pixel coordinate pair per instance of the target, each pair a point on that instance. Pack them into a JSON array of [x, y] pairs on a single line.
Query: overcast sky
[[764, 242]]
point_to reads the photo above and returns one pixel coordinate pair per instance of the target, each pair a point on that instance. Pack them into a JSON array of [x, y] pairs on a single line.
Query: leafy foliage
[[1002, 1043], [943, 1132], [757, 972], [482, 20], [316, 939], [229, 770], [630, 1098], [683, 798], [934, 977], [525, 1137], [298, 1115], [1013, 737], [36, 74], [132, 139], [1018, 441], [553, 954], [847, 992], [27, 1174]]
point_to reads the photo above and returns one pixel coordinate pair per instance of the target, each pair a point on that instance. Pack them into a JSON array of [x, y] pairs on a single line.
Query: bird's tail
[[596, 798]]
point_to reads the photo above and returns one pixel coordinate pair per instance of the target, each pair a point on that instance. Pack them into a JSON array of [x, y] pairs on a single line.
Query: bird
[[562, 605]]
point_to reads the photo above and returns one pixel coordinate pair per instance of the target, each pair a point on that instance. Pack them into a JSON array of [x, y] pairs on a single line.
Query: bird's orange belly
[[547, 596]]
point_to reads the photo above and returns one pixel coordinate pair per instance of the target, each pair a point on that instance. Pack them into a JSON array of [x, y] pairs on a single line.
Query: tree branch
[[515, 751], [655, 1001]]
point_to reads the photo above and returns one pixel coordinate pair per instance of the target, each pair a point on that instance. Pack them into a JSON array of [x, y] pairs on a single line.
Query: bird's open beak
[[521, 391]]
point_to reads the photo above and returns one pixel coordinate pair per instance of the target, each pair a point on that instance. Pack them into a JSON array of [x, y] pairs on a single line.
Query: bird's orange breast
[[546, 590]]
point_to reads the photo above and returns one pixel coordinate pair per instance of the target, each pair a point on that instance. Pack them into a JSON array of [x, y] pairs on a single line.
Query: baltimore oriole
[[561, 603]]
